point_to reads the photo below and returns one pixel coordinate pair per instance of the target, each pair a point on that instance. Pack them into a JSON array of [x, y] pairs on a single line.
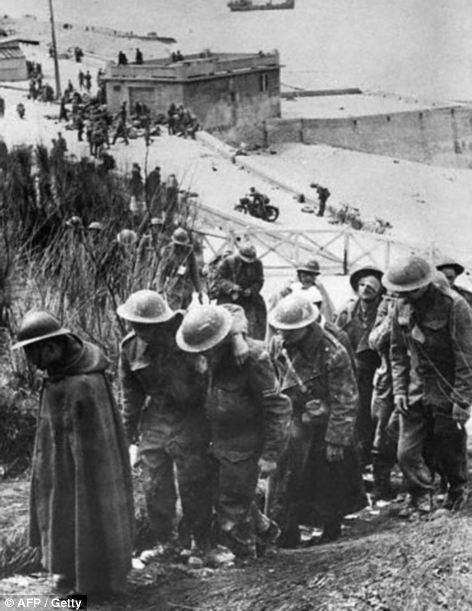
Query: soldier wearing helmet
[[452, 269], [162, 402], [81, 510], [249, 421], [431, 354], [357, 318], [178, 274], [163, 394], [308, 276], [321, 479], [239, 280]]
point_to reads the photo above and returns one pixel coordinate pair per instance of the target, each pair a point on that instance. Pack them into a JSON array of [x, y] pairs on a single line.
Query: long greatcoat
[[81, 513], [310, 489]]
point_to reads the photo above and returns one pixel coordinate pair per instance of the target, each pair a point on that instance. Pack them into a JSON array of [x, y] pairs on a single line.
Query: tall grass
[[79, 276]]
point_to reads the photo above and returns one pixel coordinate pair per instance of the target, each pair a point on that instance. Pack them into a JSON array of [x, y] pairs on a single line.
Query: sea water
[[420, 48]]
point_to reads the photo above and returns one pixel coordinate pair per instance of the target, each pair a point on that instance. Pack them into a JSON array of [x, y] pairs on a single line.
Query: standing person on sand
[[81, 513]]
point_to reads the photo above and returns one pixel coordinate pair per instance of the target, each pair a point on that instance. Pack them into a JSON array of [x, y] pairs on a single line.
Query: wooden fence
[[339, 249]]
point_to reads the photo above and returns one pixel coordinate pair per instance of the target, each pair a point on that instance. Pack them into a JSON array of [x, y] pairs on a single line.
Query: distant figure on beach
[[323, 195], [122, 59], [70, 88], [78, 54], [20, 109], [88, 80], [81, 77], [2, 107], [63, 116], [139, 56]]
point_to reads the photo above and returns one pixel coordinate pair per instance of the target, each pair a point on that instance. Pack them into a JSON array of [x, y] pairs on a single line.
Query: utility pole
[[54, 50]]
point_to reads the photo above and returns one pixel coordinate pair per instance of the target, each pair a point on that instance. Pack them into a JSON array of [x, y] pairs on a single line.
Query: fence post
[[388, 247], [346, 252]]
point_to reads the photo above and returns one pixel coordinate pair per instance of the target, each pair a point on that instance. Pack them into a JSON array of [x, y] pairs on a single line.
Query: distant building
[[224, 91], [12, 62]]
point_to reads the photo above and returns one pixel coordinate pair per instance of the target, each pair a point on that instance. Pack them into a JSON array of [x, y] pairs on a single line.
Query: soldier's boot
[[416, 502], [266, 541], [331, 532], [382, 488], [424, 502], [290, 537], [456, 499], [241, 540]]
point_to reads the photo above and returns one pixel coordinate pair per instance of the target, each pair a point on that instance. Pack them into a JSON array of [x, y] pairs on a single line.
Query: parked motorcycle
[[259, 208]]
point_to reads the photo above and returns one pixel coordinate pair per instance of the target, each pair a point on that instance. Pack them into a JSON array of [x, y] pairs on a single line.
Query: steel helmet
[[38, 326], [447, 262], [74, 221], [408, 274], [127, 237], [247, 252], [95, 225], [310, 267], [361, 272], [180, 236], [293, 312], [157, 220], [146, 307], [203, 327]]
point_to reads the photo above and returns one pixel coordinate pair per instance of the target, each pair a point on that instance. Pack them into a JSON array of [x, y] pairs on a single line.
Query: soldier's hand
[[460, 414], [247, 292], [266, 467], [334, 453], [401, 404], [240, 349]]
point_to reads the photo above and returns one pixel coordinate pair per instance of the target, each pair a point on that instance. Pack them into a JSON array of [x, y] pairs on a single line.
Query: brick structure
[[226, 91]]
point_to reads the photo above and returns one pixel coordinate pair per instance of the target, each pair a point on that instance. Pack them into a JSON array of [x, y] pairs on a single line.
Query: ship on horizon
[[249, 5]]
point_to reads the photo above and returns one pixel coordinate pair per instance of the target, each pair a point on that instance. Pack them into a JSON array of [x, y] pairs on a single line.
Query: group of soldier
[[259, 418]]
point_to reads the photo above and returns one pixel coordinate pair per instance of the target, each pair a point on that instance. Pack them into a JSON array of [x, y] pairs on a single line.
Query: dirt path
[[381, 563]]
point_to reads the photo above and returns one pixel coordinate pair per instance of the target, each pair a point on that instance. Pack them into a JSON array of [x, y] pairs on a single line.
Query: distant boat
[[249, 5]]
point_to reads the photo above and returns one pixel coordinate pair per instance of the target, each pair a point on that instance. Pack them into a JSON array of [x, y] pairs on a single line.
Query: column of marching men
[[251, 421]]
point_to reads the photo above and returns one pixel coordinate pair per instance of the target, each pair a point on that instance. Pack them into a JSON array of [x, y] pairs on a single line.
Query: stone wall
[[438, 136]]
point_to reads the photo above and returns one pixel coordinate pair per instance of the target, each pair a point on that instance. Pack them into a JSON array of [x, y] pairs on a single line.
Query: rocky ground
[[381, 563]]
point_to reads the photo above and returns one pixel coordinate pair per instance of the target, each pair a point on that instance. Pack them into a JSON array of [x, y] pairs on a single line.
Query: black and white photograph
[[236, 305]]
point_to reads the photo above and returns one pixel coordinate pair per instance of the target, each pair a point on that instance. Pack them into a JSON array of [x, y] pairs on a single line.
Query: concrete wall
[[235, 102], [13, 69], [439, 136], [156, 95], [231, 103]]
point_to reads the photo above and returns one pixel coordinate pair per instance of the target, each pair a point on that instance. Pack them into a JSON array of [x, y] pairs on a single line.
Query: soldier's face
[[293, 336], [44, 354], [306, 279], [412, 296], [147, 333], [368, 288], [450, 275]]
